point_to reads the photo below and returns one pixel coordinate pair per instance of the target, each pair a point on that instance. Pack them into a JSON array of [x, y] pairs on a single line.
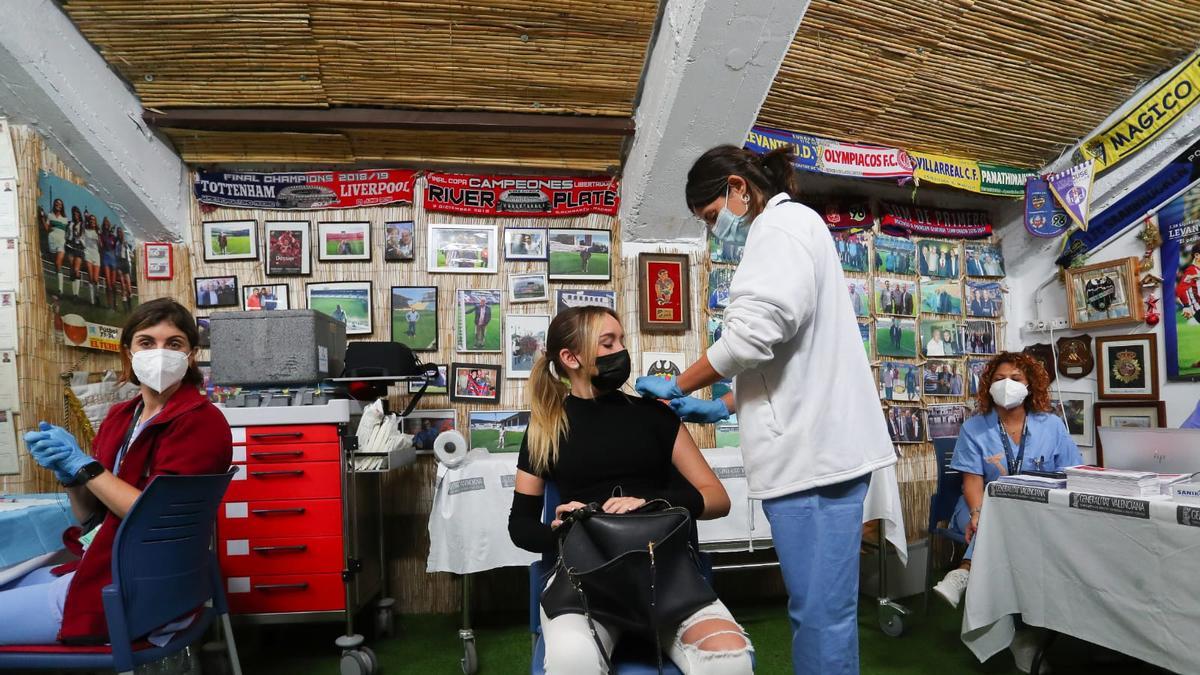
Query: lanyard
[[1014, 467], [133, 424]]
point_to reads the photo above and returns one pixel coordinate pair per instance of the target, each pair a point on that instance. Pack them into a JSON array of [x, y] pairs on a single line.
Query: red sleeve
[[198, 442]]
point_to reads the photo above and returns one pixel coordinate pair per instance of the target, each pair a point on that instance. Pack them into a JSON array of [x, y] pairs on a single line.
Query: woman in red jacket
[[171, 428]]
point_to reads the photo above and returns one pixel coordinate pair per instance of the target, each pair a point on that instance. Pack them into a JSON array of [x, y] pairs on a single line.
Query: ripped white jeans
[[571, 650]]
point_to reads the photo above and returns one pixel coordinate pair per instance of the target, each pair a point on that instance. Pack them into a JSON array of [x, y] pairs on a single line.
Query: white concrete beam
[[710, 68], [52, 79]]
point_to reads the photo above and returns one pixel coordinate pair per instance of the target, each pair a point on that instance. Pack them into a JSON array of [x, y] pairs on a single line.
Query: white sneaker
[[952, 587], [1024, 646]]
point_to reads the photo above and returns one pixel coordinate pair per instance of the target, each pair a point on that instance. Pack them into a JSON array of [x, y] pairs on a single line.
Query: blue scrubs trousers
[[958, 525], [817, 535], [31, 608]]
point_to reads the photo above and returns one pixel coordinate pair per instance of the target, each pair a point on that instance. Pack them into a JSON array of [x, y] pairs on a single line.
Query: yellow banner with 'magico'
[[1157, 111]]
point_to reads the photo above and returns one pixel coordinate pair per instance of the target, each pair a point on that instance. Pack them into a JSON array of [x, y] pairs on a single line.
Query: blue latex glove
[[657, 387], [691, 409], [56, 449]]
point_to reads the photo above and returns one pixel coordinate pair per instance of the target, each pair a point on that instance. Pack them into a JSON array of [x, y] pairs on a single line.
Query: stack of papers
[[1166, 480], [1035, 481], [1116, 482]]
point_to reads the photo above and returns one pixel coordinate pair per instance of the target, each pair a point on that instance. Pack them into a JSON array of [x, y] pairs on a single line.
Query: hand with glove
[[56, 449], [652, 386], [691, 409]]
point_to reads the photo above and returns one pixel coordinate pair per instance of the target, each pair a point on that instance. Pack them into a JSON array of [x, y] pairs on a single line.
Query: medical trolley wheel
[[357, 662], [891, 621], [470, 659]]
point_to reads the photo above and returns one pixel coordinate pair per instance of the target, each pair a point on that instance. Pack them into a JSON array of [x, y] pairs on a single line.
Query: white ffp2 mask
[[1007, 393], [159, 369]]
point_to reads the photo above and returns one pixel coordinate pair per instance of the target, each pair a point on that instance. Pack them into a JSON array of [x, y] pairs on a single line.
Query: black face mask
[[612, 371]]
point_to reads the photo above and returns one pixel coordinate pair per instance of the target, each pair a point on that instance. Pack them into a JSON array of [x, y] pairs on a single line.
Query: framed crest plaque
[[1104, 294], [663, 304], [1128, 367], [1075, 358], [1043, 354]]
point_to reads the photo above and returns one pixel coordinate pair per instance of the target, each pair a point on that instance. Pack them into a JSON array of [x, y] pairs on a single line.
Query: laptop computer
[[1157, 450]]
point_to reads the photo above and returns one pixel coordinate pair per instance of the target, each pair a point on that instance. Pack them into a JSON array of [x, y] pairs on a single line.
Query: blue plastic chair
[[941, 506], [163, 567], [631, 656]]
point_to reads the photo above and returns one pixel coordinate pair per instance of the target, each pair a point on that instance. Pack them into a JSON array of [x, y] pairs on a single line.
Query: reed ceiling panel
[[573, 56], [1011, 81]]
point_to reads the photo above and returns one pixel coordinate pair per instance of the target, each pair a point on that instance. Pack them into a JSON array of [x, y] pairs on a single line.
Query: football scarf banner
[[481, 195], [305, 190], [863, 161], [1152, 116], [1043, 216], [1073, 190], [807, 148], [903, 220], [1003, 181], [1179, 223], [848, 216], [960, 173]]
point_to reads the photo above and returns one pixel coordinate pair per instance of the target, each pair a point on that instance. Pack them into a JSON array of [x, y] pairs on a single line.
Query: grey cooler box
[[280, 347]]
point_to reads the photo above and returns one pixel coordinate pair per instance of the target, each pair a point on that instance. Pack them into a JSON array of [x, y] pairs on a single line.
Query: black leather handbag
[[636, 571]]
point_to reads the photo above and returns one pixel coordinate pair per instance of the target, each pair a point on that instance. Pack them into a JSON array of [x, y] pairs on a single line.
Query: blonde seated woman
[[594, 442]]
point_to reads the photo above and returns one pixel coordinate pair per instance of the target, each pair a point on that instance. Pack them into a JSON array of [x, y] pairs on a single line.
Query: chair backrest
[[162, 558], [949, 483]]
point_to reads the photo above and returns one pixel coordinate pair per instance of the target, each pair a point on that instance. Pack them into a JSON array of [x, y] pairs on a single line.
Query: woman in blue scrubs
[[1012, 431]]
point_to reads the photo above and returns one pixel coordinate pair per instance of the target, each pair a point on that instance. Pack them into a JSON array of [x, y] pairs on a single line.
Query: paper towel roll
[[450, 448]]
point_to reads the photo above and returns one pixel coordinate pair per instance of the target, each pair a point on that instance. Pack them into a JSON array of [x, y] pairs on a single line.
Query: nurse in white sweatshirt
[[805, 397]]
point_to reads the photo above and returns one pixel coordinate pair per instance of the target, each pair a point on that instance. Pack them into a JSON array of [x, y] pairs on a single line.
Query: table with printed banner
[[31, 528], [1113, 571]]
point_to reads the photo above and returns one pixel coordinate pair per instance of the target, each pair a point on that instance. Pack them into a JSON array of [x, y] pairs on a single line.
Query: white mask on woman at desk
[[1007, 393]]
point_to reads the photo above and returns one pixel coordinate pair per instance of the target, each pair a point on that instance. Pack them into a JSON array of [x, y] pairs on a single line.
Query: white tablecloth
[[1074, 563]]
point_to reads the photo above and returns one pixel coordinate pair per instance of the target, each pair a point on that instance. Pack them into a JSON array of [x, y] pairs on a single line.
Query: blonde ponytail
[[548, 416]]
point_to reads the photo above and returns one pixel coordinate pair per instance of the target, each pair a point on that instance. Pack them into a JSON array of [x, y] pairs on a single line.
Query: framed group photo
[[1127, 367], [984, 260], [398, 241], [214, 292], [289, 248], [229, 240], [471, 382], [265, 297]]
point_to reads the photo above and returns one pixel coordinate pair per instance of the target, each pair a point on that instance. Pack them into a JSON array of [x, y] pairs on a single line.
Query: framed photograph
[[289, 248], [341, 241], [266, 297], [713, 327], [718, 287], [580, 255], [728, 251], [499, 431], [477, 320], [398, 241], [984, 260], [895, 255], [979, 337], [941, 297], [945, 419], [943, 377], [664, 299], [525, 335], [896, 337], [524, 243], [938, 258], [216, 292], [565, 298], [860, 297], [941, 338], [530, 287], [160, 260], [1104, 294], [415, 317], [204, 331], [425, 425], [905, 424], [1076, 410], [1138, 414], [470, 382], [895, 296], [984, 299], [899, 381], [864, 332], [462, 249], [852, 248], [230, 240], [1128, 366], [436, 386], [975, 368], [349, 302]]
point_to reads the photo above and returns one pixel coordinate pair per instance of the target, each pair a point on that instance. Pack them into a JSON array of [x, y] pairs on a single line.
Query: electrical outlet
[[1059, 324], [1031, 326]]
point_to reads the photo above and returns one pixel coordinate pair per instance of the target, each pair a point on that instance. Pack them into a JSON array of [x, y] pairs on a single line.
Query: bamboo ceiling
[[1010, 81]]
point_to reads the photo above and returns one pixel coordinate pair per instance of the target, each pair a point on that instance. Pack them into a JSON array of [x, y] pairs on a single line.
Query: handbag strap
[[587, 614], [654, 609]]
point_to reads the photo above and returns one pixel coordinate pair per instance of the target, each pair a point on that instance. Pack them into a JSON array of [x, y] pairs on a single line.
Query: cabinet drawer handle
[[280, 453], [267, 474], [268, 512], [299, 548], [303, 585], [281, 434]]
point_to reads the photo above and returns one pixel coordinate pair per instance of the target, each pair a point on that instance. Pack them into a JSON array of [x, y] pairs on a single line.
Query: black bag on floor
[[636, 571]]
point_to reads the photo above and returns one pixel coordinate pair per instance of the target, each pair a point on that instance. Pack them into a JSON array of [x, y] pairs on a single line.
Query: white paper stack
[[1116, 482], [1035, 481]]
